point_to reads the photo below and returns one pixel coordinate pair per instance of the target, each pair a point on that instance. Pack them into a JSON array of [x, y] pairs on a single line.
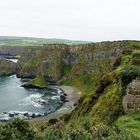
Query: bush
[[102, 85], [16, 130], [86, 79], [127, 76], [116, 62], [19, 130], [66, 117], [65, 70], [52, 121]]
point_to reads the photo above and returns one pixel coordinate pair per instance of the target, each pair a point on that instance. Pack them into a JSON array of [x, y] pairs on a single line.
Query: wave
[[33, 99]]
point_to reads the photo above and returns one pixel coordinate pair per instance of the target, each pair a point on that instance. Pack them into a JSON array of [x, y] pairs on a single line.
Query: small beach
[[73, 95]]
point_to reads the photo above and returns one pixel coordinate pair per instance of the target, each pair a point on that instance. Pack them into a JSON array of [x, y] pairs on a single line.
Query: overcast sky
[[94, 20]]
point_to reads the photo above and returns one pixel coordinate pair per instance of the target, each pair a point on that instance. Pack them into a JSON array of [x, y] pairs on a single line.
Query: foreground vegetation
[[20, 130], [130, 122]]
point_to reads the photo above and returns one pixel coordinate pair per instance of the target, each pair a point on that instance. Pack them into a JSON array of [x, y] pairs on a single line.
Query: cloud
[[95, 20]]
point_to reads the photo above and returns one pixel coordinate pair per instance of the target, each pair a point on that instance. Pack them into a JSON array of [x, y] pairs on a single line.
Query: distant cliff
[[14, 50], [7, 68], [59, 60]]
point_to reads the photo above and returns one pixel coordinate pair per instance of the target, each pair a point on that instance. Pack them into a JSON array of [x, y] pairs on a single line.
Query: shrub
[[16, 130], [66, 117], [86, 79], [52, 121], [127, 76], [102, 85], [116, 62], [66, 69]]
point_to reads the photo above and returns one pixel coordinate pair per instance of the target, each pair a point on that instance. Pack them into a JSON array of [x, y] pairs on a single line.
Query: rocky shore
[[73, 95], [57, 92]]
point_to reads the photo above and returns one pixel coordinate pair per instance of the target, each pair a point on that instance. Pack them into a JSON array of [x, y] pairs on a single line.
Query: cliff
[[38, 82], [104, 72], [7, 68], [15, 50], [59, 60], [101, 71], [131, 101]]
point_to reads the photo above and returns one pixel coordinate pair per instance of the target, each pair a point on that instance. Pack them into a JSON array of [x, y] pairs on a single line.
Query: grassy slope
[[106, 106], [39, 82], [97, 105], [130, 122], [36, 66]]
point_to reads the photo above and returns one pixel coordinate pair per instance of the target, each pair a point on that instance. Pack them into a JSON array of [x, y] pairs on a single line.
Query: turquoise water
[[13, 97]]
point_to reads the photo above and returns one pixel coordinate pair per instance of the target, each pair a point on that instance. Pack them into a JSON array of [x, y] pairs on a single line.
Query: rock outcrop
[[15, 50], [7, 67], [59, 59], [38, 82], [131, 101]]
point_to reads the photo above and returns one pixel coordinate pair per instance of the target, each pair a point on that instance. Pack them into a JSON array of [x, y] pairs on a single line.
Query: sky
[[91, 20]]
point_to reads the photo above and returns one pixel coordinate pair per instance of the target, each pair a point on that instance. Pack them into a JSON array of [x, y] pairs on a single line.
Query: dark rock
[[38, 115], [25, 114], [32, 86], [42, 102], [16, 113], [80, 100], [7, 68], [52, 121], [23, 76], [75, 104], [66, 100], [62, 98], [33, 115], [65, 94], [11, 115], [4, 112]]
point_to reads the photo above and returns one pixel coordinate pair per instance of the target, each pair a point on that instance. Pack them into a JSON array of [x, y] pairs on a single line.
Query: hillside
[[30, 41], [96, 69], [103, 72]]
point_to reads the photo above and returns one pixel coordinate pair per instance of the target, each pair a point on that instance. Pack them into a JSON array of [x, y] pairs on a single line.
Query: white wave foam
[[34, 100], [55, 97]]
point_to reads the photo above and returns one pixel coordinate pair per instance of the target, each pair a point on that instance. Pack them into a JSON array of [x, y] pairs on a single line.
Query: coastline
[[73, 95]]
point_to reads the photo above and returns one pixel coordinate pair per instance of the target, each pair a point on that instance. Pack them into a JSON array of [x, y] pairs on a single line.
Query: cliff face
[[72, 60], [131, 101], [14, 50], [7, 67]]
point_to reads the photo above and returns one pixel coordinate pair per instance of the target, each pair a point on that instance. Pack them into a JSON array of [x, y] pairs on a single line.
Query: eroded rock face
[[131, 101], [7, 67], [57, 59], [14, 50]]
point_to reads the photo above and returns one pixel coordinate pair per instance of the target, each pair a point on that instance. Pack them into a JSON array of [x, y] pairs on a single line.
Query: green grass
[[65, 70], [108, 106], [39, 82], [130, 122], [67, 82], [31, 41], [136, 58]]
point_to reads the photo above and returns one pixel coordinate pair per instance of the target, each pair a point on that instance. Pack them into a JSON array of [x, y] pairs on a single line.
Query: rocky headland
[[102, 71]]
